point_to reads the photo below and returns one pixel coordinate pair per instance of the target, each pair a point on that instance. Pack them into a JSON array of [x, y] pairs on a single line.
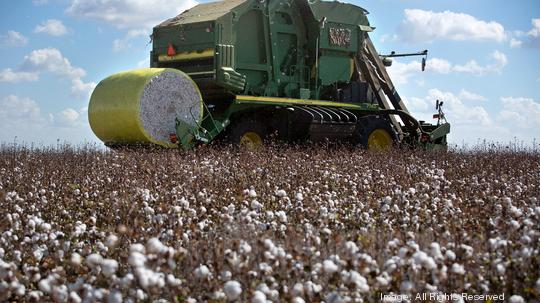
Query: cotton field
[[281, 224]]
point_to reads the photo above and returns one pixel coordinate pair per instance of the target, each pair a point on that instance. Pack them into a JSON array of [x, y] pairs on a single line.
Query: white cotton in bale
[[141, 106], [168, 96]]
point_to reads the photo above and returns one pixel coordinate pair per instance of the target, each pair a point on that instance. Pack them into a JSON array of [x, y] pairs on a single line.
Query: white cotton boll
[[359, 281], [111, 241], [406, 286], [326, 231], [226, 275], [402, 252], [173, 281], [258, 297], [500, 269], [20, 290], [351, 247], [93, 260], [256, 205], [137, 247], [80, 228], [263, 288], [154, 246], [299, 196], [109, 267], [202, 272], [252, 193], [141, 296], [245, 248], [218, 296], [382, 281], [35, 295], [516, 299], [334, 297], [298, 300], [298, 289], [422, 259], [46, 227], [312, 288], [60, 293], [45, 285], [74, 297], [450, 255], [115, 297], [281, 193], [537, 285], [458, 269], [148, 278], [436, 251], [330, 267], [514, 224], [274, 295], [38, 254], [282, 216], [136, 259], [232, 289]]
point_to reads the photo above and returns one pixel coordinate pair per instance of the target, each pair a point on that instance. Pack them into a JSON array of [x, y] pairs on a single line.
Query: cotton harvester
[[247, 69]]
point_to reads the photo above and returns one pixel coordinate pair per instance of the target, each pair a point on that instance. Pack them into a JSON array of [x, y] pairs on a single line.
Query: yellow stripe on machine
[[207, 53], [290, 101]]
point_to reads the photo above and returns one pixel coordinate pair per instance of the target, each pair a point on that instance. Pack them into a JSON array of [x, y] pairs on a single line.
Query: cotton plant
[[278, 224]]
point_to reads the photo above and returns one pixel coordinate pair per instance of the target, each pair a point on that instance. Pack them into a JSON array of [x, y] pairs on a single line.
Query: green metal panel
[[334, 68], [339, 12], [203, 13], [187, 37]]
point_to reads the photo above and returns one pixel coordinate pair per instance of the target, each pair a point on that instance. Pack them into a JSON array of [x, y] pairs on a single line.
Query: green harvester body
[[304, 70]]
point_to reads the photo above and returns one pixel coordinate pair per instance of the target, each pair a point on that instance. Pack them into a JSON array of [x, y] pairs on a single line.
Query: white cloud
[[461, 113], [19, 109], [521, 112], [52, 27], [66, 118], [40, 2], [134, 14], [8, 75], [13, 39], [428, 26], [515, 43], [144, 62], [518, 118], [470, 96], [52, 61], [401, 72], [125, 42], [534, 34], [529, 38], [82, 90], [535, 31], [23, 120], [456, 110], [472, 67]]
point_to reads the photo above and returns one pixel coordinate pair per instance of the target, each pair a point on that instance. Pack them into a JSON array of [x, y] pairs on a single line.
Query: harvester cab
[[305, 70]]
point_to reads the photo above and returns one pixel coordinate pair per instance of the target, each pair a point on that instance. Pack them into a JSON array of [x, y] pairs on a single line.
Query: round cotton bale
[[141, 106]]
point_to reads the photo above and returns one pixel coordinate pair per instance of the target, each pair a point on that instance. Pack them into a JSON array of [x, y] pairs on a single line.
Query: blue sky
[[483, 62]]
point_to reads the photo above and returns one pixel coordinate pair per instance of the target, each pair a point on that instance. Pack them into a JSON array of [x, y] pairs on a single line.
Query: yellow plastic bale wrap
[[141, 106]]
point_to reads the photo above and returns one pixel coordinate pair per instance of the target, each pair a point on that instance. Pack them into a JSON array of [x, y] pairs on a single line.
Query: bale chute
[[141, 106]]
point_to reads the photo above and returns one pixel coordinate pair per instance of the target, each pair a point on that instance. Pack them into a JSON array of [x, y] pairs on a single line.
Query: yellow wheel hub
[[251, 140], [379, 139]]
